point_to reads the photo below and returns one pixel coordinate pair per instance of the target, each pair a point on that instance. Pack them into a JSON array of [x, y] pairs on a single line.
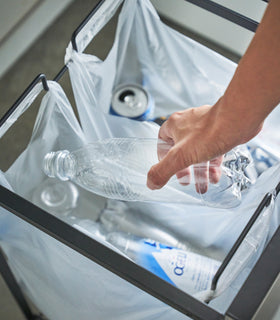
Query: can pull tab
[[129, 98], [126, 95]]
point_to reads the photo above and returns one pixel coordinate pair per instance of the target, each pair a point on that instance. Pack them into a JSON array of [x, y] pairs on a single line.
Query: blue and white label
[[188, 271]]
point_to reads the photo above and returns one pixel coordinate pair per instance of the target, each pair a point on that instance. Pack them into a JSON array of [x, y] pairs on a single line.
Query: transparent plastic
[[184, 269], [117, 168], [118, 216], [56, 197]]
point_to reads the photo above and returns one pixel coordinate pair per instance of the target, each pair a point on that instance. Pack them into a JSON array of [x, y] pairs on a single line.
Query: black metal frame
[[264, 203], [83, 23], [226, 13], [117, 264], [40, 77], [105, 257], [258, 283]]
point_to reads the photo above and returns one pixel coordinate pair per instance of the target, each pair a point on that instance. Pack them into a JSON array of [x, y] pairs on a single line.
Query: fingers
[[162, 148], [215, 170], [165, 141], [201, 175], [172, 162], [176, 154], [207, 172], [164, 133], [184, 176], [160, 173]]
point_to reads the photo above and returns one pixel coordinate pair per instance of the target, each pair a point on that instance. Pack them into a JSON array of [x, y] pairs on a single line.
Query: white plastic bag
[[73, 286], [62, 283], [178, 73]]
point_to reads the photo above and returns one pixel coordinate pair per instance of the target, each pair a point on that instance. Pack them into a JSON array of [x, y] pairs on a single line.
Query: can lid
[[130, 101]]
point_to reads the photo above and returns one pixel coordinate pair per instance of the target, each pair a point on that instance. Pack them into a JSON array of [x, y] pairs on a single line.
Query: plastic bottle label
[[188, 271]]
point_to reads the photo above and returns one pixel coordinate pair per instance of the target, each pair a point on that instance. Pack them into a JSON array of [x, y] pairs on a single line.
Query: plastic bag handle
[[93, 23], [264, 203], [23, 102]]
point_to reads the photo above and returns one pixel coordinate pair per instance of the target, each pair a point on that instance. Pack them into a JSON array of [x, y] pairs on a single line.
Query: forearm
[[255, 87], [204, 133]]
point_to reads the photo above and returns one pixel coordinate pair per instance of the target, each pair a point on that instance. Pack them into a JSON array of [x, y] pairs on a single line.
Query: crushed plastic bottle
[[263, 159], [117, 168]]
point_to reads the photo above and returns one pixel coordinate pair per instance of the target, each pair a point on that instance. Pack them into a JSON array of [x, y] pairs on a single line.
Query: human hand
[[203, 173], [204, 133], [197, 136]]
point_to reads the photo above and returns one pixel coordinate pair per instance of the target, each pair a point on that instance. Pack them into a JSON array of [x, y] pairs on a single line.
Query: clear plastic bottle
[[117, 216], [56, 197], [184, 269], [117, 168]]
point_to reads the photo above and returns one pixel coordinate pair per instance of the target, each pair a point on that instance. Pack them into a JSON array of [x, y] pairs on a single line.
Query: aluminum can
[[131, 101]]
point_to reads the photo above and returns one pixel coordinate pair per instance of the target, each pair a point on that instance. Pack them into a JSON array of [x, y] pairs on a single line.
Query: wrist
[[234, 123]]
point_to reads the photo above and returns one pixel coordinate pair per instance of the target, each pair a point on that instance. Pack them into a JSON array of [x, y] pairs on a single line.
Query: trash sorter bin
[[63, 283]]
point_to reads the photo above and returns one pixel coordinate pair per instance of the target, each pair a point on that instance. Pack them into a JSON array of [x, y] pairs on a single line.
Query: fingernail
[[184, 181], [152, 186], [201, 188]]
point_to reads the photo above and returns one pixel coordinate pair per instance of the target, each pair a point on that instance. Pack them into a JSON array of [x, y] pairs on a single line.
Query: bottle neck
[[59, 165]]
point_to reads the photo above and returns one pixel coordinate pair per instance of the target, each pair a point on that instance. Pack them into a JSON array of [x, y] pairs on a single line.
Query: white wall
[[214, 28], [22, 22]]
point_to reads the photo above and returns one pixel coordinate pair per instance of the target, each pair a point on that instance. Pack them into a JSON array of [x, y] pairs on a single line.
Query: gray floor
[[46, 56]]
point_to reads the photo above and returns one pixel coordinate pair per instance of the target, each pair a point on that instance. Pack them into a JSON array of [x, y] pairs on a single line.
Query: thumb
[[160, 173]]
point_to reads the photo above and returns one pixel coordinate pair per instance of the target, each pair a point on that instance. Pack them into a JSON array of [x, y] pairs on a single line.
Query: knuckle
[[174, 117], [155, 177]]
